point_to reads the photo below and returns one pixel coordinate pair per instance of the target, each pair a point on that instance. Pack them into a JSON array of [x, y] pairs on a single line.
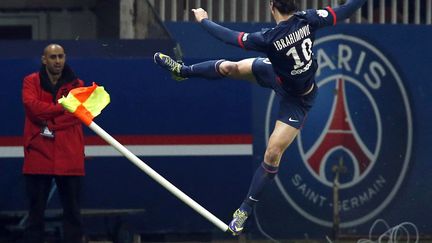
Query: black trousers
[[69, 190]]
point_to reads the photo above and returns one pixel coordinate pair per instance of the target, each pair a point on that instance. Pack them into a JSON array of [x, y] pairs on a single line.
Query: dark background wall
[[145, 101]]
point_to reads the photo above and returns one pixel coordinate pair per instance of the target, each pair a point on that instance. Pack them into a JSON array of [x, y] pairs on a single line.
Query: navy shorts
[[292, 109]]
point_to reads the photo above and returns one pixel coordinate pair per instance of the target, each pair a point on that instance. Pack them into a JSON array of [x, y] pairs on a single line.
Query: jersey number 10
[[307, 53]]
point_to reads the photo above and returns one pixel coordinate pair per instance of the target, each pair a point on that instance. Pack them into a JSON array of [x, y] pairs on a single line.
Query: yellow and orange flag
[[86, 102]]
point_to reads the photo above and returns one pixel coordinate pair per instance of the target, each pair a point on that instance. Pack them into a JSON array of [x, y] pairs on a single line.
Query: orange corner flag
[[86, 102]]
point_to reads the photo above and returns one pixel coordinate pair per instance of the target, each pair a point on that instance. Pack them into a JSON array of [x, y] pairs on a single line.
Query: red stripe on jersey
[[279, 80], [239, 39], [332, 13]]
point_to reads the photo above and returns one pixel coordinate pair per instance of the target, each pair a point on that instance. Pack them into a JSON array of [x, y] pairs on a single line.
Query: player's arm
[[330, 16], [345, 10], [253, 41]]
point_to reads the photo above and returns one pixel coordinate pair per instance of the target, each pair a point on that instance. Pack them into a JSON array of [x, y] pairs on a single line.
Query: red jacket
[[63, 154]]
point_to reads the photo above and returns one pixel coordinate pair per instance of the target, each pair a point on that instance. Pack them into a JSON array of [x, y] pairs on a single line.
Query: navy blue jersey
[[289, 47]]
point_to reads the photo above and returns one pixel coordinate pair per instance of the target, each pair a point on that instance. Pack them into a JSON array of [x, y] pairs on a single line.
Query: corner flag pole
[[158, 178], [88, 102]]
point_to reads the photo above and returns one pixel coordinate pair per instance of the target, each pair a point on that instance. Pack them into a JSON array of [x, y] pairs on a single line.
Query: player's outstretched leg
[[208, 69], [169, 64]]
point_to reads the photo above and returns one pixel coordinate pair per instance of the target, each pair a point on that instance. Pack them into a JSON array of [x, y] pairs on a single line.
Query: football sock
[[263, 175], [208, 70]]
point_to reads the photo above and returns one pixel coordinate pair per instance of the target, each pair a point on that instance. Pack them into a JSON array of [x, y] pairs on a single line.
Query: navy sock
[[208, 70], [263, 175]]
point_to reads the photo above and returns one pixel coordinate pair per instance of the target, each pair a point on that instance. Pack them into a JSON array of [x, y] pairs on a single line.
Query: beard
[[54, 70]]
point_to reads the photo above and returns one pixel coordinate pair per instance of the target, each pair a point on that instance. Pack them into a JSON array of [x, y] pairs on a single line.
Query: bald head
[[52, 48], [54, 59]]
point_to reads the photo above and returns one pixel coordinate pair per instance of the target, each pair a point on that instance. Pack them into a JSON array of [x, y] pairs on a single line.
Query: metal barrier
[[374, 11]]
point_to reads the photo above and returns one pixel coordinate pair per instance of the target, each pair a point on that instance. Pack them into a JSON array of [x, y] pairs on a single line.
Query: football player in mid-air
[[289, 70]]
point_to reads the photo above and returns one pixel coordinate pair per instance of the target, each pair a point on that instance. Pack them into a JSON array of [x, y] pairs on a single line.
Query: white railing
[[375, 11]]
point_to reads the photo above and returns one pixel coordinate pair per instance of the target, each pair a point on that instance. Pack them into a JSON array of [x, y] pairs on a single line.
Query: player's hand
[[200, 14]]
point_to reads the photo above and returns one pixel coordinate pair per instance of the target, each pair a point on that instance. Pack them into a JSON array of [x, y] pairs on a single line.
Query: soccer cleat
[[237, 223], [170, 64]]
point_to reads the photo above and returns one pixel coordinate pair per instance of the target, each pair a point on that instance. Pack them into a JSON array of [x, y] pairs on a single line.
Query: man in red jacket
[[53, 145]]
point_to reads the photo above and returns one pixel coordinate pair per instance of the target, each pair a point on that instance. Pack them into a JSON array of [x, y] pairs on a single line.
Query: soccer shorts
[[292, 109]]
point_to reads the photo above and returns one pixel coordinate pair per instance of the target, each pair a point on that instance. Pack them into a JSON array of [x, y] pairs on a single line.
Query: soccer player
[[289, 70]]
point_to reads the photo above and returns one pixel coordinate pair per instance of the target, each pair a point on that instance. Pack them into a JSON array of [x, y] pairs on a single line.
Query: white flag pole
[[158, 178]]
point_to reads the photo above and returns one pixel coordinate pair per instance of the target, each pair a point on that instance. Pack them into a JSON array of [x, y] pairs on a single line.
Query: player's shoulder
[[263, 34], [312, 13]]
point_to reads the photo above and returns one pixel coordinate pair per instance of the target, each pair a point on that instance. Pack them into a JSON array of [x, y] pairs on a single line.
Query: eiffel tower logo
[[339, 133]]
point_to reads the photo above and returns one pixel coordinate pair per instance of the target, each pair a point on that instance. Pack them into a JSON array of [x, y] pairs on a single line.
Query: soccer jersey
[[289, 47]]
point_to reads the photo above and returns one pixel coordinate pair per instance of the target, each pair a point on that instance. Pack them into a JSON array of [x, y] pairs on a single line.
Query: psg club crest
[[362, 120]]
